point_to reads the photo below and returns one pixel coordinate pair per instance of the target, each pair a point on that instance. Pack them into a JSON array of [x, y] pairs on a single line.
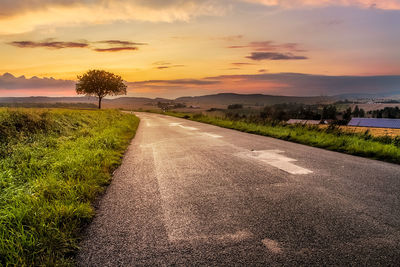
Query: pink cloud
[[381, 4]]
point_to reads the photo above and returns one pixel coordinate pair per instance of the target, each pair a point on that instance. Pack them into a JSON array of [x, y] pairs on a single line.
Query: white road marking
[[174, 124], [212, 135], [184, 127], [272, 246], [274, 158], [188, 128]]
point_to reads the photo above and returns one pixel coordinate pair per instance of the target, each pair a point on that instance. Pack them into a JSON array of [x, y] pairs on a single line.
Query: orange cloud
[[21, 16]]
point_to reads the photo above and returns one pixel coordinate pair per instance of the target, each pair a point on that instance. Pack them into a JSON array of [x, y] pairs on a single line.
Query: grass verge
[[53, 164], [384, 148]]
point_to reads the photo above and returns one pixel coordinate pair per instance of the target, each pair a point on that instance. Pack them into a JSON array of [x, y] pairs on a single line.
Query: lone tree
[[100, 83]]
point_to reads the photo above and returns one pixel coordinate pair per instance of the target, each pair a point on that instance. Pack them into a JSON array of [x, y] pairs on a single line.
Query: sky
[[173, 48]]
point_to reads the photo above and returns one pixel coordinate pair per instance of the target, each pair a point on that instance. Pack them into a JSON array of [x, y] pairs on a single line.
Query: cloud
[[381, 4], [309, 84], [49, 44], [292, 84], [10, 82], [162, 65], [274, 56], [14, 7], [175, 82], [229, 38], [116, 49], [270, 50], [171, 9], [295, 84], [168, 67], [119, 42], [19, 16], [242, 63], [268, 46]]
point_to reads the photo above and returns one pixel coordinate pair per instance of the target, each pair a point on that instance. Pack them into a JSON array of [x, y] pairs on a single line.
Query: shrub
[[235, 106]]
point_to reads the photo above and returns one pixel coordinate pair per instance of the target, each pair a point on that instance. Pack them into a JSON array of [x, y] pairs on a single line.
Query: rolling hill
[[217, 100]]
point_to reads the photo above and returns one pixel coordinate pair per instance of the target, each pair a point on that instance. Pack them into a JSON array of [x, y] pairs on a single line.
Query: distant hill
[[45, 99], [207, 100], [77, 99], [252, 99], [41, 101]]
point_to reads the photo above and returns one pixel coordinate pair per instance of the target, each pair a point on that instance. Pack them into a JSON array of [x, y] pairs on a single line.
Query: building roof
[[377, 123], [296, 121]]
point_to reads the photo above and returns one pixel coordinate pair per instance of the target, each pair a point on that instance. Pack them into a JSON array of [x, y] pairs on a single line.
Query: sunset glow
[[177, 48]]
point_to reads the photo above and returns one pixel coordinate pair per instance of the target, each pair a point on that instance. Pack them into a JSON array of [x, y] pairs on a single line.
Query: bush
[[235, 106]]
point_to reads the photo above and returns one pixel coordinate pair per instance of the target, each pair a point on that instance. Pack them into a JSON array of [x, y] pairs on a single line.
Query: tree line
[[387, 112], [287, 111]]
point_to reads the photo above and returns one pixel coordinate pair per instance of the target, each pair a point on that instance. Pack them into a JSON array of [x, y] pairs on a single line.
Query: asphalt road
[[188, 193]]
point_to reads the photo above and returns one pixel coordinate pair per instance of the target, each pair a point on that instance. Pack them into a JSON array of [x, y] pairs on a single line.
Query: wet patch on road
[[272, 245]]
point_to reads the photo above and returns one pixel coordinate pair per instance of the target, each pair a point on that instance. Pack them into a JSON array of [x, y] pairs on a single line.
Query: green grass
[[53, 164], [383, 148]]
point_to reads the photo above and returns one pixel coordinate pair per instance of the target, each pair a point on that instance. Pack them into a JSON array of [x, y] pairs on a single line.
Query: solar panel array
[[376, 123]]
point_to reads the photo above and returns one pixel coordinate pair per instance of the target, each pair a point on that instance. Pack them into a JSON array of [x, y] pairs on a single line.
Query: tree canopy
[[100, 83]]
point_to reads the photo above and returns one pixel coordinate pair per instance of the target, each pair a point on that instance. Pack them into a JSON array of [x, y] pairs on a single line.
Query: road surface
[[189, 193]]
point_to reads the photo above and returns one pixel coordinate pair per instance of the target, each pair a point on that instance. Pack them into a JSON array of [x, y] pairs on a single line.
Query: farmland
[[53, 165], [359, 143], [377, 132]]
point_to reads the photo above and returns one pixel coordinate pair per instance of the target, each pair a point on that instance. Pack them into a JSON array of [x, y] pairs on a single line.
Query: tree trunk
[[100, 102]]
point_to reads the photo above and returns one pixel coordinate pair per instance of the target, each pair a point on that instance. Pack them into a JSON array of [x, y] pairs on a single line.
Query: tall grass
[[53, 164], [332, 138]]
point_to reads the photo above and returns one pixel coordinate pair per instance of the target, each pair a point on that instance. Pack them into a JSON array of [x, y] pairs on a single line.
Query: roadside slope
[[53, 164]]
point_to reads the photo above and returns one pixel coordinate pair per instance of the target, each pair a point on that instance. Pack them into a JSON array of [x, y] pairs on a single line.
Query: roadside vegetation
[[53, 164], [331, 137]]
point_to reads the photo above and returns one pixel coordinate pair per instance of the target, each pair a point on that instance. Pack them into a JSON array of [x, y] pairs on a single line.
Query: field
[[375, 106], [377, 132], [363, 144], [53, 164]]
